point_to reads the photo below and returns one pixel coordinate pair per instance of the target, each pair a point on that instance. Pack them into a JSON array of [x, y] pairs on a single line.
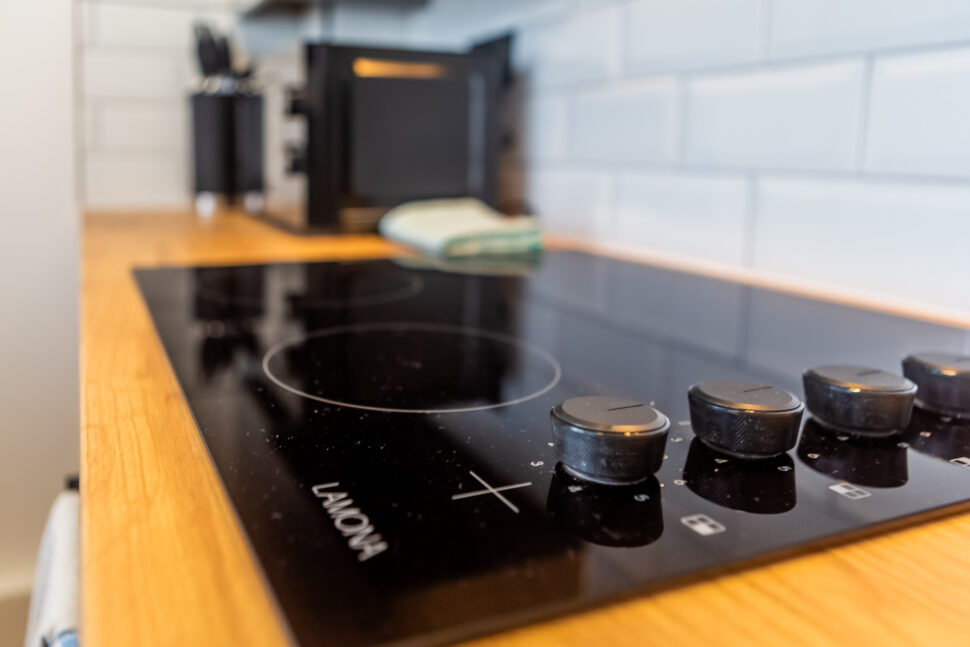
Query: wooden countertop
[[164, 562]]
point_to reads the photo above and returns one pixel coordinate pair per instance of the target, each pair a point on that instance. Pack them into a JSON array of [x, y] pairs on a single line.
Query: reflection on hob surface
[[625, 515], [330, 285], [765, 486], [879, 462], [382, 429], [944, 437]]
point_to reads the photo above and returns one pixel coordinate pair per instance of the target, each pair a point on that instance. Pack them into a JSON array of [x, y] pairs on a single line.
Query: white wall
[[39, 419], [827, 140]]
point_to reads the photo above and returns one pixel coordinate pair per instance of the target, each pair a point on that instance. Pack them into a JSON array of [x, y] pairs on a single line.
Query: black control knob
[[859, 399], [609, 440], [943, 380], [746, 419]]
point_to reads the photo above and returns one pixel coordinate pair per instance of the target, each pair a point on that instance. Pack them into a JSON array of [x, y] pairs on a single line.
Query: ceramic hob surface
[[383, 431]]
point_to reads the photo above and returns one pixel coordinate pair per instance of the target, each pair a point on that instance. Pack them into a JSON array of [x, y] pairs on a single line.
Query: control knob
[[609, 440], [860, 399], [745, 419], [943, 380]]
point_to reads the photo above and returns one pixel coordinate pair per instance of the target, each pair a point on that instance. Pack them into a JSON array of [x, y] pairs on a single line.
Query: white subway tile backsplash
[[137, 64], [816, 27], [458, 21], [159, 26], [801, 117], [584, 46], [905, 240], [114, 180], [137, 126], [666, 35], [112, 74], [694, 215], [633, 124], [545, 129], [920, 114], [570, 203], [364, 24]]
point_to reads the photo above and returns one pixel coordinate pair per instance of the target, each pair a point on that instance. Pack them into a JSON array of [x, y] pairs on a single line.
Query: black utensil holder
[[227, 143]]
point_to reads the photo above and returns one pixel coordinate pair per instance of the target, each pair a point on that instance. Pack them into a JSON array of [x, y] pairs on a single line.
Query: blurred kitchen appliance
[[354, 131], [227, 125]]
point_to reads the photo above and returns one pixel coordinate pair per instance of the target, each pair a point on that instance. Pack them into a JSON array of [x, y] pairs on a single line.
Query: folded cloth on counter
[[460, 227], [53, 617]]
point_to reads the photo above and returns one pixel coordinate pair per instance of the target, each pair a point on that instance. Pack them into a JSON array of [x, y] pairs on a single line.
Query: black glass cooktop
[[382, 429]]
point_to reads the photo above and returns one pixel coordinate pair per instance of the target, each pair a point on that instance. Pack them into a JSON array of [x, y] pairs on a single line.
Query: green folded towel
[[460, 227]]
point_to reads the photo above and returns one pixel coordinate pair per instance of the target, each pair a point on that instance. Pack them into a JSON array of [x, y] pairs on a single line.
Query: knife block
[[227, 147]]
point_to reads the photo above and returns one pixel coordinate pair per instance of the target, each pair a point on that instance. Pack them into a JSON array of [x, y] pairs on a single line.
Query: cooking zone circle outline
[[423, 327]]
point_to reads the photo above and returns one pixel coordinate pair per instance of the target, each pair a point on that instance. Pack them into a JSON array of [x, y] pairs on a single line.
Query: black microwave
[[377, 127]]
